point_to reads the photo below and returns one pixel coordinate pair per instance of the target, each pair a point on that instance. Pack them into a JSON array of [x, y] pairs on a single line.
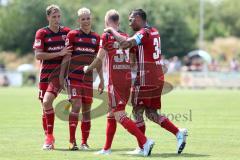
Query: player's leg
[[110, 132], [49, 115], [73, 122], [130, 126], [44, 119], [165, 123], [137, 113], [86, 122], [138, 109]]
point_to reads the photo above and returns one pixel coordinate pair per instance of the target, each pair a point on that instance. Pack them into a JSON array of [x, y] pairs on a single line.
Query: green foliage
[[19, 23], [177, 21]]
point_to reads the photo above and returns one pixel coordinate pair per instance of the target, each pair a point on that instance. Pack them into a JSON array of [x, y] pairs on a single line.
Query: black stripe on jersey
[[79, 62], [50, 70], [84, 44], [49, 35], [86, 36], [77, 72], [44, 80], [49, 79], [83, 54], [54, 43], [52, 61]]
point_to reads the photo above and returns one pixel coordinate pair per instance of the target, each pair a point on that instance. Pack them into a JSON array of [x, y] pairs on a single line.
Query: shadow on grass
[[67, 150], [168, 155]]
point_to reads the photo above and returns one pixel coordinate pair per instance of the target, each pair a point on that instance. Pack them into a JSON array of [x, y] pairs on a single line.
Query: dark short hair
[[140, 12]]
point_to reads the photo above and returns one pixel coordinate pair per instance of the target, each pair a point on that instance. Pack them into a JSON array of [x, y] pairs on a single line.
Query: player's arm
[[97, 61], [133, 59], [100, 74], [64, 69], [124, 41], [40, 55]]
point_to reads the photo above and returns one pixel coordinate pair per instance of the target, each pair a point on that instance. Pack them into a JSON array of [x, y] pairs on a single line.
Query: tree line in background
[[177, 20]]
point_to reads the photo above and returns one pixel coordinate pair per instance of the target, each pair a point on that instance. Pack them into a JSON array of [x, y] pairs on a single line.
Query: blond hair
[[112, 15], [83, 10], [52, 8]]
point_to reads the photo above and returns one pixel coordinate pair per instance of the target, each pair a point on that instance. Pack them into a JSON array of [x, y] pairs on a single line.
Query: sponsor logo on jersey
[[57, 48], [37, 43], [85, 49], [67, 42]]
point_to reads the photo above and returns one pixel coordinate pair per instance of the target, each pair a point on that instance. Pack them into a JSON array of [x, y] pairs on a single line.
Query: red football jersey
[[118, 64], [49, 41], [85, 47], [148, 57]]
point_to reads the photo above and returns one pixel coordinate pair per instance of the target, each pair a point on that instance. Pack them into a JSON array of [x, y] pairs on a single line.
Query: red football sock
[[132, 128], [73, 122], [50, 120], [142, 128], [44, 122], [110, 132], [85, 127], [168, 125]]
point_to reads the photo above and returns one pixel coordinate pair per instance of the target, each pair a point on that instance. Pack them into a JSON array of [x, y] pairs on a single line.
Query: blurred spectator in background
[[213, 66], [2, 67], [174, 65], [186, 63], [234, 65], [4, 81]]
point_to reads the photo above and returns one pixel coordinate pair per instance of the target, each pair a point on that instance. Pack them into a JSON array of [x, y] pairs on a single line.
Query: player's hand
[[85, 69], [67, 50], [101, 87], [124, 44], [108, 29]]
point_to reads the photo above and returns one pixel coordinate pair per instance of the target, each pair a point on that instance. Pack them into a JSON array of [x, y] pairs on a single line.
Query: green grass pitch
[[211, 116]]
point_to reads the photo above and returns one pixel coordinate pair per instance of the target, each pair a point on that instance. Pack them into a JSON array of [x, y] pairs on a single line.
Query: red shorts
[[147, 96], [80, 90], [118, 98], [52, 87]]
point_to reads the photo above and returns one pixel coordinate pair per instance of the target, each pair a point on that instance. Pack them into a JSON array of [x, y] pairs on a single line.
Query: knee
[[119, 116], [151, 115], [76, 104], [110, 114], [137, 114], [47, 103]]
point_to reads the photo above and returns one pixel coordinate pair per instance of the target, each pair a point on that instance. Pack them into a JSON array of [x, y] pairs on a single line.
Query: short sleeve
[[69, 40], [103, 41], [39, 40]]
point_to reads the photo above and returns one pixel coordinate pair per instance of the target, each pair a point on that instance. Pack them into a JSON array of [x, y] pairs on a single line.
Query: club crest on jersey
[[37, 43], [93, 40], [64, 37], [67, 42]]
